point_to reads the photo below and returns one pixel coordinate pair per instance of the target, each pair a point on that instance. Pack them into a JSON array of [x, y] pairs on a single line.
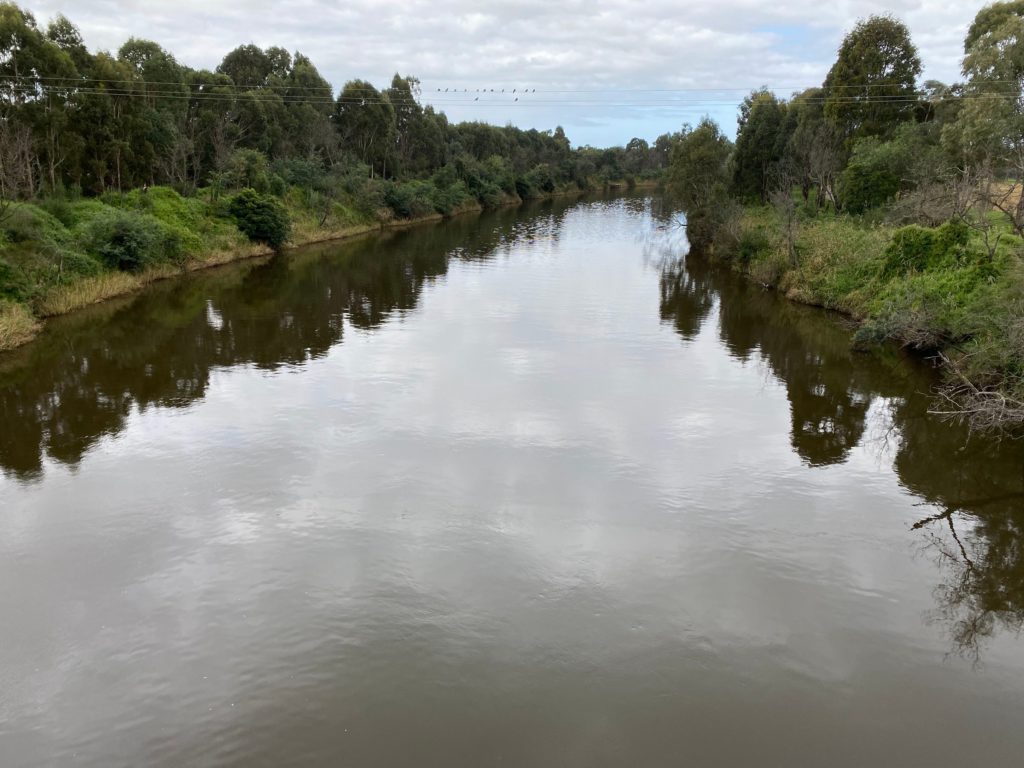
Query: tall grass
[[65, 298], [17, 325], [940, 290]]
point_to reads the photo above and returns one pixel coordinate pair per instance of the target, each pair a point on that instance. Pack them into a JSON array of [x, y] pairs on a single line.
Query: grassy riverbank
[[60, 255], [943, 291]]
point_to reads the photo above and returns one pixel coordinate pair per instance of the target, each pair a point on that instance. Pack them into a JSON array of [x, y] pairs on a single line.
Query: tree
[[814, 149], [247, 66], [698, 176], [262, 218], [308, 101], [637, 156], [366, 121], [988, 134], [419, 136], [871, 87], [761, 138]]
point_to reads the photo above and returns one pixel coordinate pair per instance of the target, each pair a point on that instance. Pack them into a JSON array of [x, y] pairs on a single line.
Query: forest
[[118, 168], [895, 201]]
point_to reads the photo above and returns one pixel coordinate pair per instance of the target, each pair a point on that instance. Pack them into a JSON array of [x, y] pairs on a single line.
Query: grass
[[938, 290], [59, 254], [17, 324], [65, 298]]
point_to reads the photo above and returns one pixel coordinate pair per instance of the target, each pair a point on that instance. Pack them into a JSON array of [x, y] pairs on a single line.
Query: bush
[[916, 249], [30, 224], [863, 188], [524, 189], [261, 218], [541, 178], [447, 199], [246, 169], [14, 284], [410, 200], [129, 241], [306, 174], [367, 194], [185, 217], [753, 244]]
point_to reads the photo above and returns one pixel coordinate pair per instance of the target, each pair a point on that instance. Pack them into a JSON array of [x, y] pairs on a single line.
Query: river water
[[529, 488]]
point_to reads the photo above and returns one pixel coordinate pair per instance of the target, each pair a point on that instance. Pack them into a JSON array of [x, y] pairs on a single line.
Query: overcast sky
[[605, 71]]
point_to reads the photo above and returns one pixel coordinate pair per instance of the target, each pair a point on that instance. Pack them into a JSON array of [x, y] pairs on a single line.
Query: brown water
[[522, 489]]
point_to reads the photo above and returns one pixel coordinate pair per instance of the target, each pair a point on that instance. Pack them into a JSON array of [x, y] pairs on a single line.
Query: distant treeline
[[893, 200], [119, 168], [76, 121]]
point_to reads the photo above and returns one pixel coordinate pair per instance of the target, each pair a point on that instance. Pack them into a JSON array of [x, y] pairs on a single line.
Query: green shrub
[[14, 284], [303, 173], [31, 224], [186, 218], [367, 194], [77, 263], [246, 169], [541, 178], [129, 241], [447, 199], [752, 245], [524, 189], [916, 249], [60, 208], [863, 188], [410, 200], [261, 218]]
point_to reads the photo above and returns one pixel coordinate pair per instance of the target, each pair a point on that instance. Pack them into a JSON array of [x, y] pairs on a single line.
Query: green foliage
[[261, 218], [871, 87], [447, 198], [410, 200], [916, 249], [761, 138], [33, 224], [14, 283], [753, 245], [863, 187], [699, 178], [130, 241], [246, 169]]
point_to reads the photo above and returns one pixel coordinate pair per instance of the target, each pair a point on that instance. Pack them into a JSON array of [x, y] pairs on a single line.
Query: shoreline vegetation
[[20, 323], [894, 202], [121, 168]]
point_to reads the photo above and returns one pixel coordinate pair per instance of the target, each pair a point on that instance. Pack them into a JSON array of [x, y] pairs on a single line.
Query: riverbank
[[945, 292], [45, 271]]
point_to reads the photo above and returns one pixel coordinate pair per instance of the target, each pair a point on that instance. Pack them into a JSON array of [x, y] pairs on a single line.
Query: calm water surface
[[522, 489]]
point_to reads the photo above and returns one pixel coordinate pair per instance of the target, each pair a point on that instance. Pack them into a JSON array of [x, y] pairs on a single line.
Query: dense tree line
[[896, 200], [873, 136], [73, 120]]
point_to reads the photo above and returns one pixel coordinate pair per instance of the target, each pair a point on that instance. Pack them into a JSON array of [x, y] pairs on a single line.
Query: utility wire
[[489, 101], [456, 90]]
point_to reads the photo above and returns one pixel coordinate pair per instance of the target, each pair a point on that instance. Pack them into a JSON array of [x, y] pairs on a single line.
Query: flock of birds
[[484, 90]]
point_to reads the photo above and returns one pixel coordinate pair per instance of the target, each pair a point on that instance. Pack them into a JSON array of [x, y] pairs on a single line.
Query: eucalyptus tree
[[988, 134], [761, 137], [698, 176], [366, 122], [871, 88]]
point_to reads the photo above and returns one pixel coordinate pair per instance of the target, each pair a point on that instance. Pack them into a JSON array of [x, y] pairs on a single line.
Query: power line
[[456, 90], [42, 90]]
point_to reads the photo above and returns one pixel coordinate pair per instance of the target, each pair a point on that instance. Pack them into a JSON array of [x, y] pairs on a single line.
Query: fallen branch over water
[[985, 409]]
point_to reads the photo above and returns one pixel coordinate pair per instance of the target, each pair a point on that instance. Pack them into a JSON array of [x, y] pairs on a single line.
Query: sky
[[605, 71]]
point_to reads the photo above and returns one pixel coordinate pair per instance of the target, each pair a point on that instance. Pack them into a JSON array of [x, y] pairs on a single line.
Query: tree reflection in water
[[977, 537], [84, 377]]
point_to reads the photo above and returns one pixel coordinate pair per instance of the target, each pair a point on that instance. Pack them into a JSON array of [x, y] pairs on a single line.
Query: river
[[528, 488]]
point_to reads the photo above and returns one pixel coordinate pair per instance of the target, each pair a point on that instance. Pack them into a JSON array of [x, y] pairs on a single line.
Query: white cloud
[[579, 52]]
